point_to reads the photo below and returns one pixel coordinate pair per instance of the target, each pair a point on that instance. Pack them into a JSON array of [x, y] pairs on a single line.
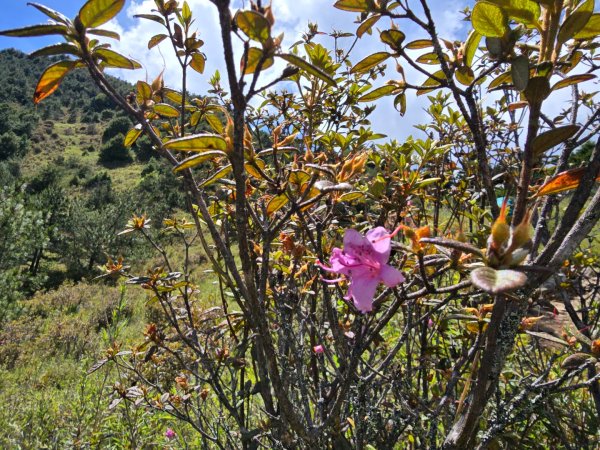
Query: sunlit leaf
[[166, 110], [489, 19], [105, 33], [144, 91], [55, 15], [132, 136], [419, 43], [432, 82], [251, 168], [464, 75], [393, 38], [198, 62], [576, 21], [57, 49], [51, 79], [352, 5], [36, 30], [369, 62], [367, 25], [551, 138], [308, 67], [253, 24], [221, 173], [495, 281], [116, 60], [276, 203], [253, 58], [378, 93], [197, 143], [500, 80], [155, 40], [564, 181], [97, 12], [173, 95], [591, 28], [215, 123], [574, 79], [471, 45], [193, 161], [350, 196]]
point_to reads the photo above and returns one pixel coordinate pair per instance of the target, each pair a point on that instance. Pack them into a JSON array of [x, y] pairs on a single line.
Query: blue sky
[[292, 18]]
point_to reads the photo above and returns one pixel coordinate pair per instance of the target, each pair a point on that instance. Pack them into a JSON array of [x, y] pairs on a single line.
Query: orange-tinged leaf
[[564, 181], [569, 81], [367, 25], [155, 40], [96, 12], [253, 58], [51, 79], [251, 168]]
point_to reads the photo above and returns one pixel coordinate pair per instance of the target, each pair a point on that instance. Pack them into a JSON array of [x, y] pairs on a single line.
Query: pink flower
[[430, 323], [170, 434], [318, 349], [364, 260]]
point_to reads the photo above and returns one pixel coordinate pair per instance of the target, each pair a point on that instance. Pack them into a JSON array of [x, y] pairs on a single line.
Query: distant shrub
[[113, 151]]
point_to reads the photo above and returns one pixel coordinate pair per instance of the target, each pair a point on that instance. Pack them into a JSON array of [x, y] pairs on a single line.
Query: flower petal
[[390, 276], [381, 243], [362, 290]]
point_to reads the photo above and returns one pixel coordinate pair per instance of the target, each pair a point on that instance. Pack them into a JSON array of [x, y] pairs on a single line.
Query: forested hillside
[[67, 188]]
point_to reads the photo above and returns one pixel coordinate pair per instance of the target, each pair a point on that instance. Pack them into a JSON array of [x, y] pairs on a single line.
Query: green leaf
[[186, 13], [197, 143], [195, 160], [254, 57], [166, 110], [369, 62], [471, 45], [432, 83], [350, 196], [352, 5], [552, 138], [155, 40], [576, 21], [97, 12], [198, 62], [254, 25], [116, 60], [308, 67], [574, 79], [55, 15], [216, 176], [51, 79], [105, 33], [393, 38], [400, 103], [367, 25], [378, 93], [591, 28], [57, 49], [495, 281], [500, 80], [132, 136], [519, 72], [173, 95], [489, 20], [464, 75], [538, 89], [36, 30], [525, 11]]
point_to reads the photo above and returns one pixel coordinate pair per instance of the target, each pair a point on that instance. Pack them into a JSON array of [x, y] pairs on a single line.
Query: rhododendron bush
[[372, 292]]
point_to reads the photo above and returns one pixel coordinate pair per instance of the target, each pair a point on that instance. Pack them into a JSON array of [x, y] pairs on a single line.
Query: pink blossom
[[318, 349], [430, 323], [364, 260], [170, 434]]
